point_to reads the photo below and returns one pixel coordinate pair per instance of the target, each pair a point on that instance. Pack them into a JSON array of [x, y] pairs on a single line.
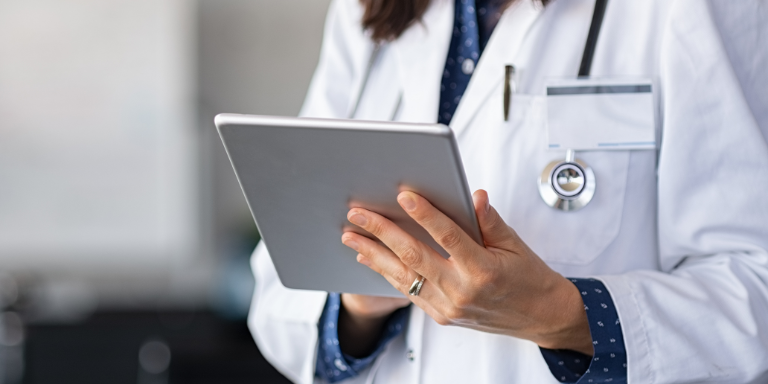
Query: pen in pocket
[[509, 89]]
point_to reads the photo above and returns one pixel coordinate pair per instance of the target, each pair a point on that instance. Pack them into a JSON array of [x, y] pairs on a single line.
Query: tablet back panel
[[301, 177]]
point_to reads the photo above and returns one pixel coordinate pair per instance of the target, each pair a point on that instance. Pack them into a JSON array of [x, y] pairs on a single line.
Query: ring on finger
[[416, 286]]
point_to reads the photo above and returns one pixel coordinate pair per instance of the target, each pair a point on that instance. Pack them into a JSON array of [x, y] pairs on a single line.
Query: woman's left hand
[[502, 287]]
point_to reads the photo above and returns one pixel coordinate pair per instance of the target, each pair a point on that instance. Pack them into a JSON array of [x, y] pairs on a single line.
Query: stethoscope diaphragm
[[567, 185]]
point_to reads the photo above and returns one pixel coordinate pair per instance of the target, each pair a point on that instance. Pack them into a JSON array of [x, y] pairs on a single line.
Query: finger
[[429, 296], [445, 232], [496, 233], [384, 262], [421, 300], [370, 253], [411, 252]]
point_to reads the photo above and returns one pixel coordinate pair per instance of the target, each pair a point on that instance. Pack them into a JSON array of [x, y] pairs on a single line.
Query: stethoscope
[[568, 184]]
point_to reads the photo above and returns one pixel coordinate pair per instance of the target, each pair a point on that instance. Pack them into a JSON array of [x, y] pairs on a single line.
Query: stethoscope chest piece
[[567, 185]]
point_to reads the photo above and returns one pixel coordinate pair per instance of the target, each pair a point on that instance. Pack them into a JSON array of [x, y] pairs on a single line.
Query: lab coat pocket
[[507, 157], [579, 237], [575, 237]]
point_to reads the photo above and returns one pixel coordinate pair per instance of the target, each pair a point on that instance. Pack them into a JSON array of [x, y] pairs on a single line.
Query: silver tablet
[[301, 176]]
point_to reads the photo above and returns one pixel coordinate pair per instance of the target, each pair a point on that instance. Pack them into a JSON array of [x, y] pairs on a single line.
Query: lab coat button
[[410, 355], [468, 66]]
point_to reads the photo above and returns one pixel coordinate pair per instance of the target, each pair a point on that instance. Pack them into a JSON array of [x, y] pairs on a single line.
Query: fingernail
[[362, 260], [407, 202], [352, 244], [358, 219], [487, 204]]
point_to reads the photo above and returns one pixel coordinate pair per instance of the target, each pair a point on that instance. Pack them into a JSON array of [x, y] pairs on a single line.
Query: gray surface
[[301, 176]]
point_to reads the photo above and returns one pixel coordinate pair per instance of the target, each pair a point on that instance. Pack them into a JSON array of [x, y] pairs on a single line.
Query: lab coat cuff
[[633, 328]]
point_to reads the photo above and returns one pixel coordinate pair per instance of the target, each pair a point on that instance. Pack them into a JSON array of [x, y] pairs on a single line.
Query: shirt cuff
[[609, 364], [332, 364]]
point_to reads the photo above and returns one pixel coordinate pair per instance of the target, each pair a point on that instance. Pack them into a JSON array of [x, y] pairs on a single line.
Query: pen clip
[[509, 73]]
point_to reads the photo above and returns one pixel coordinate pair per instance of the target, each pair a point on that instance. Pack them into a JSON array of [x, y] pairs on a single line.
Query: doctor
[[666, 265]]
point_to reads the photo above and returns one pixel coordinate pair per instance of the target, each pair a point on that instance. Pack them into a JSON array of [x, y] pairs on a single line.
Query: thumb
[[496, 233]]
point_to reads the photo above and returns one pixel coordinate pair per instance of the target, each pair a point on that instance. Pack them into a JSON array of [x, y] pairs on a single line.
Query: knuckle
[[450, 238], [424, 216], [454, 313], [410, 256], [442, 320], [484, 278], [401, 277], [498, 222], [421, 214], [375, 227], [461, 301]]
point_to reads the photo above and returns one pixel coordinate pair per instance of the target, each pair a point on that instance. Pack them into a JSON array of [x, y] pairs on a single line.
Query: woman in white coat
[[677, 236]]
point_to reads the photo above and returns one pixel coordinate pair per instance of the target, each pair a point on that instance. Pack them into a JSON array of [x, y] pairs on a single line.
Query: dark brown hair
[[387, 19]]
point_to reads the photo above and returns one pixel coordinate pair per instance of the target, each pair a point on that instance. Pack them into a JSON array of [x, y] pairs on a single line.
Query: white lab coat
[[679, 236]]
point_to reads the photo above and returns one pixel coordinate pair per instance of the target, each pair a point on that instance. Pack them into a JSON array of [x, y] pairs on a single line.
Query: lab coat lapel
[[501, 50], [421, 53]]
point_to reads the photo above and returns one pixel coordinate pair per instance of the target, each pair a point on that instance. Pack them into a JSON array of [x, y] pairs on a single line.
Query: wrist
[[569, 328]]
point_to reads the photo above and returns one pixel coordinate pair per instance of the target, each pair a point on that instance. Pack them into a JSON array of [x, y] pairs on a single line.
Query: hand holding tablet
[[301, 177], [396, 195]]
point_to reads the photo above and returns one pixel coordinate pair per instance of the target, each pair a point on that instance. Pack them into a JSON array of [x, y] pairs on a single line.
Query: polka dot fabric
[[473, 24], [332, 364], [463, 54], [609, 364]]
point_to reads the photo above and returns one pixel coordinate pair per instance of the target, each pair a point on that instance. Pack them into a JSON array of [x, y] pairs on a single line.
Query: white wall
[[97, 133], [113, 184]]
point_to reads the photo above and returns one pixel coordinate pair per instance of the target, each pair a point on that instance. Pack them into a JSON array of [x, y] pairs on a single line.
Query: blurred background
[[124, 236]]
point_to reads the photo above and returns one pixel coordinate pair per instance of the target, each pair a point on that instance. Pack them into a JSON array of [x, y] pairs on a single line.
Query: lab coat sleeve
[[704, 318], [284, 321]]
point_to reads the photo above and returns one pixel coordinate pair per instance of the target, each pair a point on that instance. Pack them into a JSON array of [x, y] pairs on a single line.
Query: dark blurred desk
[[104, 349]]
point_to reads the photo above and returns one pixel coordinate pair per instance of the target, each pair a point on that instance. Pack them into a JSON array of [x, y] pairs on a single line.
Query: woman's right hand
[[361, 320]]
